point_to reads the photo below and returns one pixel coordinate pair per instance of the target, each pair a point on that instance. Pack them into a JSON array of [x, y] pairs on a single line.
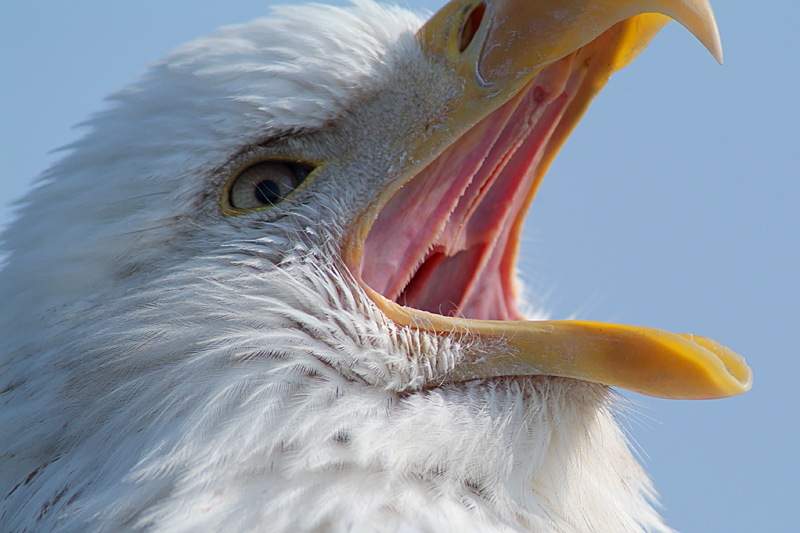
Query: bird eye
[[266, 184]]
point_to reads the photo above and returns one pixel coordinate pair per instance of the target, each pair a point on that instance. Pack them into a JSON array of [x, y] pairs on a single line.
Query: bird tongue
[[436, 250]]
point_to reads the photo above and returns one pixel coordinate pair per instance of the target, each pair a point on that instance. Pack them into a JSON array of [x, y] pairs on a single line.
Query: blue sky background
[[673, 205]]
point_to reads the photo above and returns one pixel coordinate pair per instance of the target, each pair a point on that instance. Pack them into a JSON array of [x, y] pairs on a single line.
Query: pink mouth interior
[[445, 242]]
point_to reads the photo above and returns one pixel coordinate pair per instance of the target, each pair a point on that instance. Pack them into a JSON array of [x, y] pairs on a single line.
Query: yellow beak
[[496, 48]]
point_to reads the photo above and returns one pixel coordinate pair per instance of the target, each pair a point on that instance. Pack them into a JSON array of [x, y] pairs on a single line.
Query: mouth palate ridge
[[446, 242]]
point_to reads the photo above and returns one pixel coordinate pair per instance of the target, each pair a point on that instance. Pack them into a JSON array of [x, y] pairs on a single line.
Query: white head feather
[[168, 368]]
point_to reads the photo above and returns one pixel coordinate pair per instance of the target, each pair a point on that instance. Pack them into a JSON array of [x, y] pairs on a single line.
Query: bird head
[[301, 233]]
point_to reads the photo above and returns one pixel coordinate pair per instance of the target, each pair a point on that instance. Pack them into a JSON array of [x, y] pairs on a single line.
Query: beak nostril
[[471, 24]]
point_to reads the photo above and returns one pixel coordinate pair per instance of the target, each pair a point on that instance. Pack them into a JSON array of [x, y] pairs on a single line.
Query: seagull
[[273, 288]]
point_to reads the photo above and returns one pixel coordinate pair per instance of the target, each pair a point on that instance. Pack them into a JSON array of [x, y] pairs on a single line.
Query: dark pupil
[[267, 192]]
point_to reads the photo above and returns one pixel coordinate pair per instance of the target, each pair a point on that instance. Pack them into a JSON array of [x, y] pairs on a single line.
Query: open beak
[[437, 249]]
